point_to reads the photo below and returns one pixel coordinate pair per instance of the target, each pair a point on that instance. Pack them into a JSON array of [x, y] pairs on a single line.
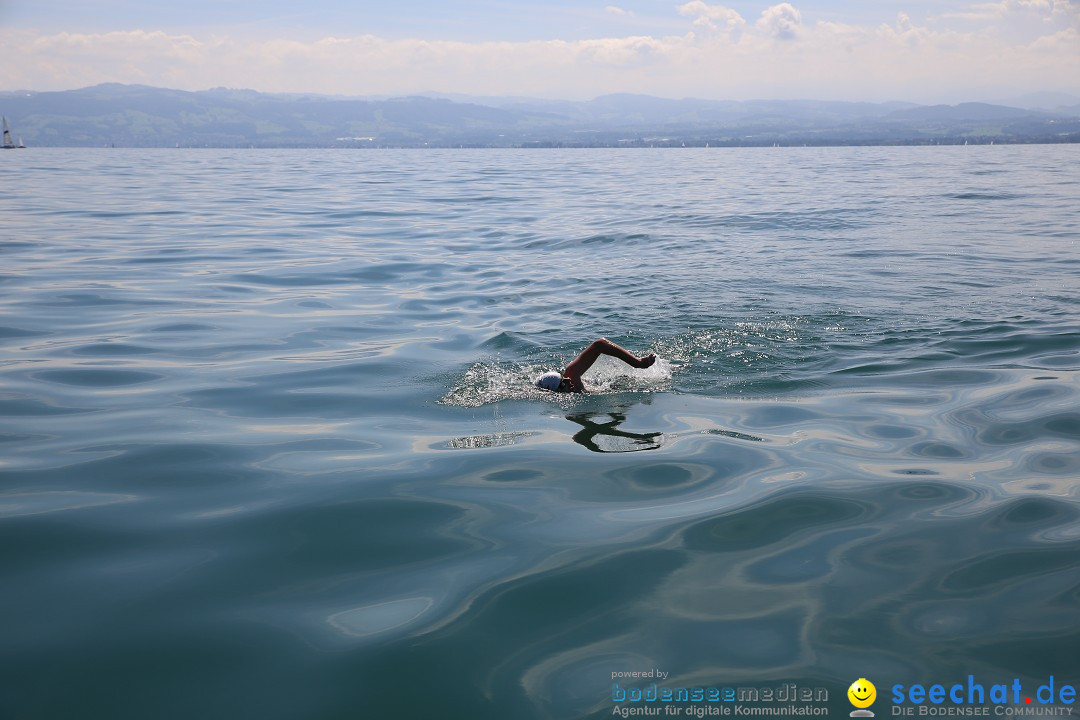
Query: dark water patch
[[937, 450], [110, 349], [483, 199], [183, 327], [1007, 343], [1069, 362], [1035, 657], [1033, 512], [991, 431], [284, 401], [1049, 463], [622, 240], [869, 253], [371, 534], [18, 407], [985, 196], [117, 214], [590, 591], [802, 221], [780, 415], [16, 332], [772, 522], [761, 640], [517, 628], [902, 546], [508, 341], [665, 477], [97, 377], [33, 504], [184, 470], [888, 432], [1026, 398], [10, 437], [513, 475], [96, 300], [358, 213], [261, 250], [389, 272], [900, 376], [924, 492], [1006, 568], [165, 259], [807, 561], [44, 522], [306, 280]]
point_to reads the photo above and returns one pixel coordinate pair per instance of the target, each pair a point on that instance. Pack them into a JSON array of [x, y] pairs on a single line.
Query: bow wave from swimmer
[[491, 381]]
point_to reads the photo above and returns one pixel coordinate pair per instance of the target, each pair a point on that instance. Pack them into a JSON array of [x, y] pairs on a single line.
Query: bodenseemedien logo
[[862, 694], [682, 701]]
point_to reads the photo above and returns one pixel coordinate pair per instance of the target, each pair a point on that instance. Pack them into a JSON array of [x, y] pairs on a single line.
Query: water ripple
[[268, 417]]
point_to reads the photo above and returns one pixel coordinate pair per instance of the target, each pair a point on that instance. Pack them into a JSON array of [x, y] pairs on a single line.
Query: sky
[[869, 50]]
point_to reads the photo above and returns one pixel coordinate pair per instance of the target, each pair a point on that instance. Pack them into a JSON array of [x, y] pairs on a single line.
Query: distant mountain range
[[142, 116]]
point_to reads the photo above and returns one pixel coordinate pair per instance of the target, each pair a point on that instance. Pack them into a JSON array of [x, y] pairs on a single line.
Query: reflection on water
[[474, 442], [606, 437]]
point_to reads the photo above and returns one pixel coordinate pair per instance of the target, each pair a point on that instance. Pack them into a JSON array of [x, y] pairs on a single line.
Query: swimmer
[[570, 378]]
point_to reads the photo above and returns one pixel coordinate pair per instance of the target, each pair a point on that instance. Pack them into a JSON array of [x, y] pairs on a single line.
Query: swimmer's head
[[550, 381]]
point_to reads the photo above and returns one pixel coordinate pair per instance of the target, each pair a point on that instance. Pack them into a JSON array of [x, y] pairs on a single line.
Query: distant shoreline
[[141, 116]]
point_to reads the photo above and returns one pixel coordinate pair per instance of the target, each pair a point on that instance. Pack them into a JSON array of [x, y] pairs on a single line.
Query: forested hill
[[142, 116]]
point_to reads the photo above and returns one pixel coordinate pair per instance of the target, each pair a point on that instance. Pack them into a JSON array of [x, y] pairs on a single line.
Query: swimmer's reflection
[[606, 437]]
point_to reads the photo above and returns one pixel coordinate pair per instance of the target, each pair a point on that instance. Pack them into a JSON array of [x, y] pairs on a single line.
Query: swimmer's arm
[[596, 348]]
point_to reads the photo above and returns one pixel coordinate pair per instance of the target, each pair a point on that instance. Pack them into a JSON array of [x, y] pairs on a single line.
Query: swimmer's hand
[[646, 361]]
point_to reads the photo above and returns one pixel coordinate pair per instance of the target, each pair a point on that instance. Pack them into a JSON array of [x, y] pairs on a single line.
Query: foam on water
[[492, 382]]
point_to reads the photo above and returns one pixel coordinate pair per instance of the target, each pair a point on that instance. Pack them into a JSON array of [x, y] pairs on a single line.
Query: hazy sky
[[945, 51]]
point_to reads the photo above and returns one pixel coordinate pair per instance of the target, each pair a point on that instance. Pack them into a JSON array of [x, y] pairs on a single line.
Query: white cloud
[[719, 56], [1005, 13], [713, 17], [615, 10], [781, 21], [620, 52]]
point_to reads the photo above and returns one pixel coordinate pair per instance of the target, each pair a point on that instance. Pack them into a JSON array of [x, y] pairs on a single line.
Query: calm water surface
[[268, 447]]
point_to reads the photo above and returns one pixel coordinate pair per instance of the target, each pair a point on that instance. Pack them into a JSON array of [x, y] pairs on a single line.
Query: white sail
[[7, 136], [8, 145]]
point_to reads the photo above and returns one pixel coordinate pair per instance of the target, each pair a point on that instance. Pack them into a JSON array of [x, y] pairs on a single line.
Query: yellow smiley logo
[[862, 693]]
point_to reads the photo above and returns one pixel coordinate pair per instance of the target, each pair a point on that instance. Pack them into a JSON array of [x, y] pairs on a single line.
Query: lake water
[[269, 447]]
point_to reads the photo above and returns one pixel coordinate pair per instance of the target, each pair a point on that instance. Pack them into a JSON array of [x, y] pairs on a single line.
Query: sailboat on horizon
[[8, 145]]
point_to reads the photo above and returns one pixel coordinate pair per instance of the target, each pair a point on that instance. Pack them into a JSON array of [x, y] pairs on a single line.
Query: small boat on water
[[8, 145]]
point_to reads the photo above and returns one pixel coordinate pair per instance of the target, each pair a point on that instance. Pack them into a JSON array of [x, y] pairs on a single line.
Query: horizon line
[[450, 96]]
